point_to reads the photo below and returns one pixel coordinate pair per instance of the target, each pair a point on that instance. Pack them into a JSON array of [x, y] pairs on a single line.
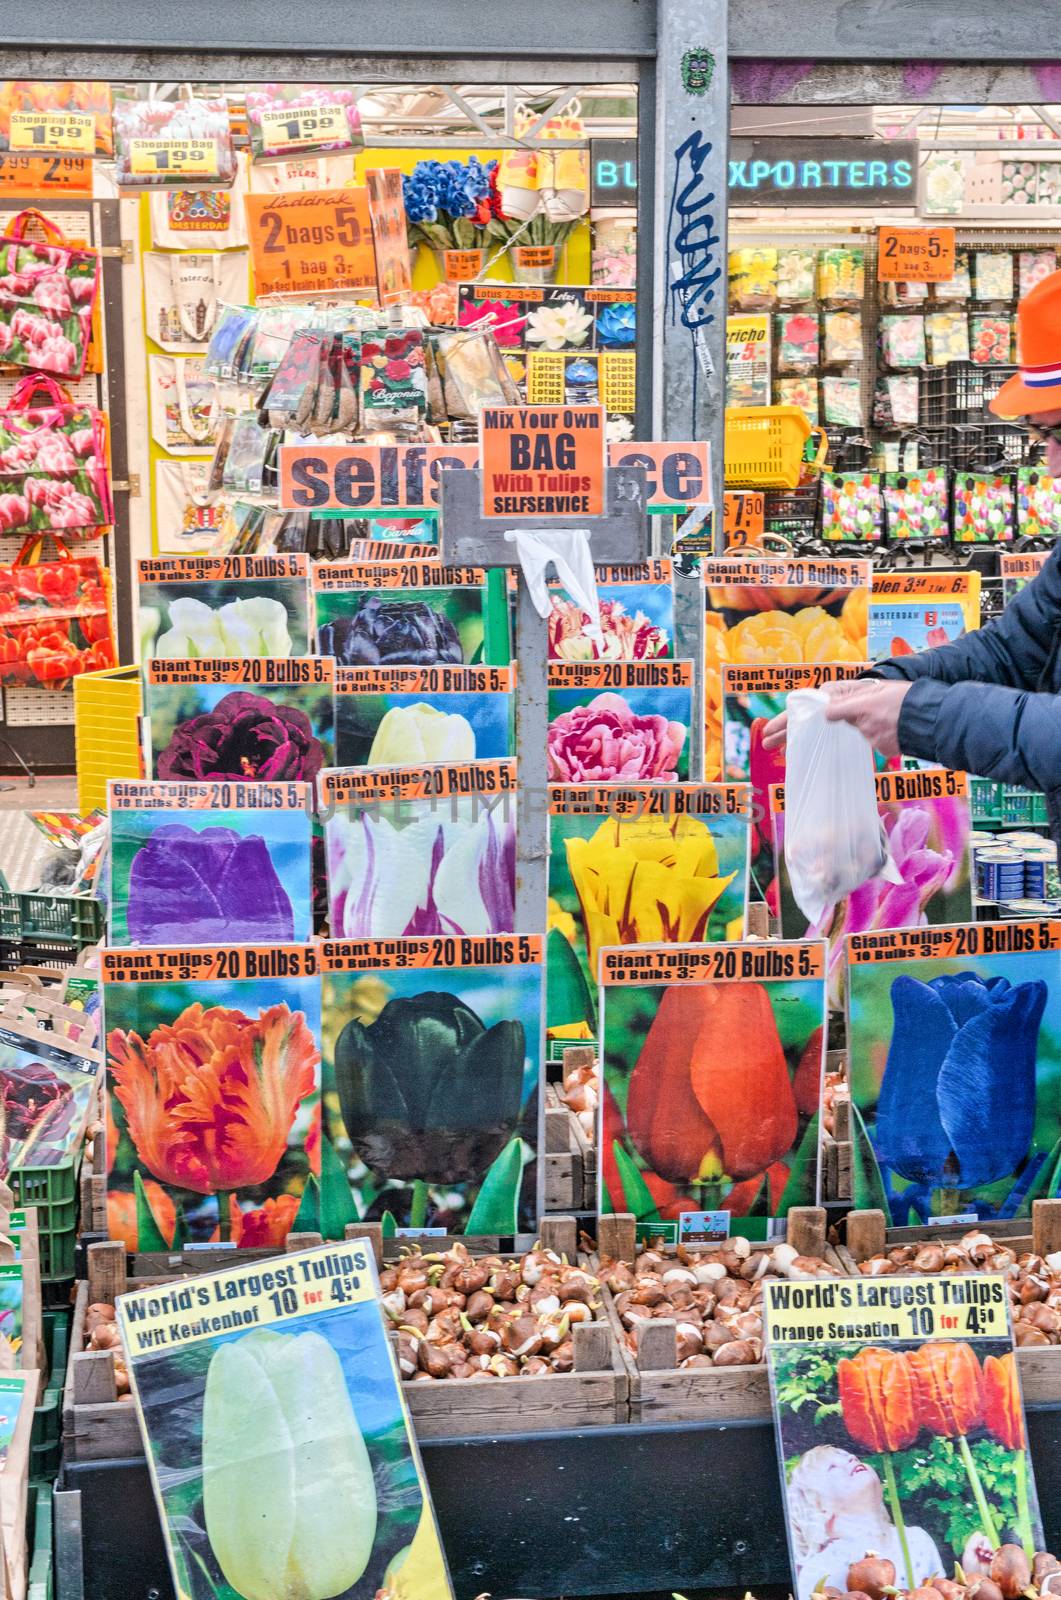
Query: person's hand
[[873, 707], [776, 731]]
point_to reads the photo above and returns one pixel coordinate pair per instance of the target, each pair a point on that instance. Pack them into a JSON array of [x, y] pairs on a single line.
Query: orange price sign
[[314, 242], [742, 517], [36, 177], [542, 461], [915, 255]]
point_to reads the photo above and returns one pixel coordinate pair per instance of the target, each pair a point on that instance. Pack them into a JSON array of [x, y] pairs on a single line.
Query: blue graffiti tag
[[692, 291]]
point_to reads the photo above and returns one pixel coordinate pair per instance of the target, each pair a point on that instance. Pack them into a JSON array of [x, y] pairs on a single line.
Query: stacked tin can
[[1016, 872]]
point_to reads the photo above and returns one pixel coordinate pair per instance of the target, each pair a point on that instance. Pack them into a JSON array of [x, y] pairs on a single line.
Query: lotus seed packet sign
[[900, 1426], [428, 850], [399, 613], [657, 863], [280, 1450], [914, 611], [434, 1046], [713, 1060], [209, 863], [954, 1044], [409, 716], [213, 1064], [47, 1085], [258, 719], [636, 613], [777, 612], [619, 721], [224, 606], [926, 818]]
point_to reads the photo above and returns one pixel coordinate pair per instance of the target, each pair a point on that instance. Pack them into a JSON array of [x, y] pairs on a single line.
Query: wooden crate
[[97, 1425], [660, 1390], [868, 1235], [836, 1155], [570, 1160]]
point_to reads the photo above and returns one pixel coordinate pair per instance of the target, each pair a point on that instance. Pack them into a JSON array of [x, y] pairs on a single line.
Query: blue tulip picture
[[956, 1083]]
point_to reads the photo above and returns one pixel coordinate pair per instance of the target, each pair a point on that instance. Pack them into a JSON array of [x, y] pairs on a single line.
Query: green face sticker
[[698, 68]]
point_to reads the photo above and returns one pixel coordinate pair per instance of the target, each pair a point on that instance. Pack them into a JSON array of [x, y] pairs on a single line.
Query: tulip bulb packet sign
[[194, 607], [658, 863], [900, 1426], [777, 612], [420, 851], [411, 716], [914, 611], [399, 613], [713, 1060], [435, 1048], [926, 817], [619, 721], [242, 721], [48, 1085], [954, 1047], [281, 1454], [636, 613], [201, 863], [1017, 571], [213, 1126]]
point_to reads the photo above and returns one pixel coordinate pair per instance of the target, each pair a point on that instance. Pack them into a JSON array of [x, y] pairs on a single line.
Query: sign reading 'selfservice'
[[821, 172]]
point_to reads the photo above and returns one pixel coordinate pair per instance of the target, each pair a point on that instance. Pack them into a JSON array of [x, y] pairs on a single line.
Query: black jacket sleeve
[[977, 704]]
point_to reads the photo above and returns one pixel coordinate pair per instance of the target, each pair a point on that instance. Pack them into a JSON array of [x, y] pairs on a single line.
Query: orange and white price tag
[[36, 177], [178, 158], [743, 514], [48, 132], [915, 255], [317, 241]]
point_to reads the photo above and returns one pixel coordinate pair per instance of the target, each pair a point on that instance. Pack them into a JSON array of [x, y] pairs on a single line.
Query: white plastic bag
[[834, 838], [566, 549]]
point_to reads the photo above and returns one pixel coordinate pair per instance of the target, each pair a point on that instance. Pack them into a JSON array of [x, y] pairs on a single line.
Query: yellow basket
[[107, 711], [764, 446]]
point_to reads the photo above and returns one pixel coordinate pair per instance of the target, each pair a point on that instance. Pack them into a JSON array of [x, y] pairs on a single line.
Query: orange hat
[[1036, 385]]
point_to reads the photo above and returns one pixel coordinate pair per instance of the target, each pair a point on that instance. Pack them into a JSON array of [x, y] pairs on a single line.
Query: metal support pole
[[532, 725], [689, 307]]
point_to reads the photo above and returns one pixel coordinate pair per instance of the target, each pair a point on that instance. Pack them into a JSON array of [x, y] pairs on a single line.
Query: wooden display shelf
[[570, 1160], [660, 1390]]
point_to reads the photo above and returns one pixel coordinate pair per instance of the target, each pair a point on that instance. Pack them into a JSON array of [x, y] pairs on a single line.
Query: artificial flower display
[[454, 205]]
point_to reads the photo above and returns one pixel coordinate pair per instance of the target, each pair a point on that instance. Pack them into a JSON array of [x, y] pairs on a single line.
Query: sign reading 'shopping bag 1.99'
[[542, 461]]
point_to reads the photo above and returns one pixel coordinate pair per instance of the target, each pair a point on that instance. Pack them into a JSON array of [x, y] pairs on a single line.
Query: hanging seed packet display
[[637, 866], [955, 1069], [749, 698], [877, 1396], [212, 721], [636, 613], [428, 850], [281, 1455], [914, 611], [619, 722], [776, 612], [411, 716], [402, 613], [713, 1063], [435, 1049], [225, 606], [197, 863], [213, 1062], [927, 881], [48, 1085]]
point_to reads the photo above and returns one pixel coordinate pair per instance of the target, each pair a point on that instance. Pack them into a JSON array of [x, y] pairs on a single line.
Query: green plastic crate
[[50, 916], [53, 1190], [39, 1542], [46, 1444], [986, 799]]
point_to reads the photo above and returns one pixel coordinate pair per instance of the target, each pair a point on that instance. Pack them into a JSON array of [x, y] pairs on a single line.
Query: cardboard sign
[[366, 478], [1018, 570], [305, 1334], [344, 786], [214, 569], [786, 572], [363, 955], [313, 242], [742, 517], [676, 475], [177, 158], [53, 132], [209, 964], [915, 255], [289, 671], [139, 794], [875, 1381], [394, 273], [36, 177], [542, 461]]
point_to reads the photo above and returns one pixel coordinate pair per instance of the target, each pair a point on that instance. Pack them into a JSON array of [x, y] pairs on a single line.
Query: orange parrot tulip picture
[[711, 1098]]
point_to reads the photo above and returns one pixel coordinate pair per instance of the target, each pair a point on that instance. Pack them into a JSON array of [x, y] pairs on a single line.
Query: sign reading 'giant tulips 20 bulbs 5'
[[279, 1447]]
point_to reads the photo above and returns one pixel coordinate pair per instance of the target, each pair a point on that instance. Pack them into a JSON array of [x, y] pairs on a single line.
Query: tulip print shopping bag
[[54, 466], [55, 618], [47, 292]]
